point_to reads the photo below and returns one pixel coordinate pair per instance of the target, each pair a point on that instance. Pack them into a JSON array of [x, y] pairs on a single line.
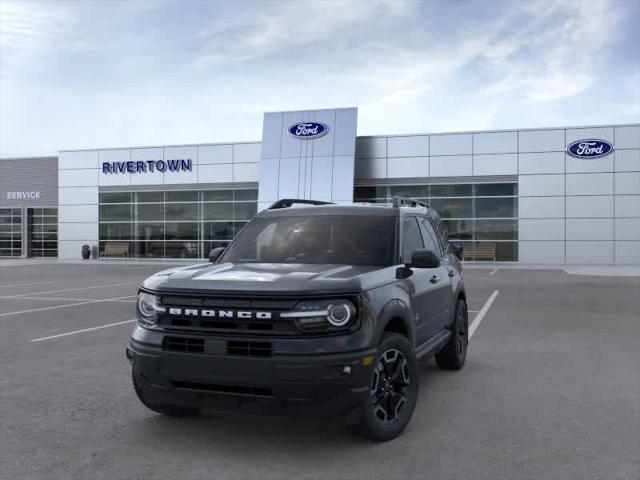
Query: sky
[[86, 74]]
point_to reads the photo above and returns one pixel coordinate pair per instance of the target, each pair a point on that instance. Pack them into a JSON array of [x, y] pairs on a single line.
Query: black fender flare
[[396, 309]]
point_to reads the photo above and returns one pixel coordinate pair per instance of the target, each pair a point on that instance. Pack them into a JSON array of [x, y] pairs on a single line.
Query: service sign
[[308, 130], [589, 148]]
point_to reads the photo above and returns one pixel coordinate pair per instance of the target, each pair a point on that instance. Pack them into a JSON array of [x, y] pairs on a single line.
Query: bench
[[479, 251], [116, 250]]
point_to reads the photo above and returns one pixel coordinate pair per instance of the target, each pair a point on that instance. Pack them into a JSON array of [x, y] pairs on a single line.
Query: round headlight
[[339, 314], [148, 308]]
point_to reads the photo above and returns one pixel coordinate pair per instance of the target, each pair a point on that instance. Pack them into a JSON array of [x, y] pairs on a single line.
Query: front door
[[424, 285]]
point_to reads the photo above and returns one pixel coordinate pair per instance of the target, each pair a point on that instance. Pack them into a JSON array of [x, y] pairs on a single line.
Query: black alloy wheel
[[454, 353], [393, 390], [390, 387]]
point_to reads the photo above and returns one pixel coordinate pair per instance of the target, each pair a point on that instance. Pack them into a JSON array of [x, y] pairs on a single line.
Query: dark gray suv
[[319, 310]]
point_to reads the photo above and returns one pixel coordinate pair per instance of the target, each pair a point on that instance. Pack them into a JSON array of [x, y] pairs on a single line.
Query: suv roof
[[290, 206]]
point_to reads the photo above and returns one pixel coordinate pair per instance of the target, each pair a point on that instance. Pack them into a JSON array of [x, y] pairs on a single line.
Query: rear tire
[[393, 390], [454, 354], [168, 410]]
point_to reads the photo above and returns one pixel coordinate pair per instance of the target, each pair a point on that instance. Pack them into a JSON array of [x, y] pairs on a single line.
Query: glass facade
[[473, 213], [42, 228], [10, 232], [173, 224]]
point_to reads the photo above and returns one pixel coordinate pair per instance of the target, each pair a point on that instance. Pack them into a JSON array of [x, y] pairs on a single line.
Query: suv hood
[[269, 278]]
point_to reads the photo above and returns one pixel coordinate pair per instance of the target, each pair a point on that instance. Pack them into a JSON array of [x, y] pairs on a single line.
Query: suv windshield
[[346, 239]]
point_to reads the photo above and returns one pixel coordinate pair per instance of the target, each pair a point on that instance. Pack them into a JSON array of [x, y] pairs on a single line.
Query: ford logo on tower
[[308, 130], [591, 148]]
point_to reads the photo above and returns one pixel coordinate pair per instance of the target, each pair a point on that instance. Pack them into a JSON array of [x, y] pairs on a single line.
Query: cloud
[[294, 26]]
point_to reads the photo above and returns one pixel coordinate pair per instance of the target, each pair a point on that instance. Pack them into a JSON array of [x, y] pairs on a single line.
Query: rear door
[[441, 281], [422, 291]]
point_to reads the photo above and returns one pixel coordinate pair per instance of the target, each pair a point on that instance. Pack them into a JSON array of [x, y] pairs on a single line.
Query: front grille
[[182, 344], [249, 349], [231, 389], [273, 326]]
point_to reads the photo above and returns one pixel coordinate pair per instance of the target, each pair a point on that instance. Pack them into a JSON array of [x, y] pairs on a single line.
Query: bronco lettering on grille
[[209, 313]]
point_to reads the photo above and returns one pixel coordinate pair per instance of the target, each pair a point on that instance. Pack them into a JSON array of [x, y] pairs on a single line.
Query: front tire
[[393, 390], [454, 354], [168, 410]]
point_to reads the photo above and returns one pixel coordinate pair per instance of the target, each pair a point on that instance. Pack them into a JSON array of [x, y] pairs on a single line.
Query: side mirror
[[457, 249], [215, 254], [424, 259]]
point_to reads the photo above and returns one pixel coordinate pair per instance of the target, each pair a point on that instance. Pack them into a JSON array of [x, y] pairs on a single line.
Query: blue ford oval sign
[[590, 148], [308, 130]]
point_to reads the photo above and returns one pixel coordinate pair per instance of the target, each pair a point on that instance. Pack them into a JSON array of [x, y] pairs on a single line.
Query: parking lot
[[551, 389]]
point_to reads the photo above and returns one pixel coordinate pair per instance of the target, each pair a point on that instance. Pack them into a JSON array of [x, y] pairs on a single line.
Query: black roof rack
[[288, 202], [408, 202]]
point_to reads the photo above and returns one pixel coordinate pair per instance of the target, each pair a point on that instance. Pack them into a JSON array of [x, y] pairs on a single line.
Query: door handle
[[435, 279], [452, 273]]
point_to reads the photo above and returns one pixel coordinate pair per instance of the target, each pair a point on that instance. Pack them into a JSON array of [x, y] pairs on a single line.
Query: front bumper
[[327, 384]]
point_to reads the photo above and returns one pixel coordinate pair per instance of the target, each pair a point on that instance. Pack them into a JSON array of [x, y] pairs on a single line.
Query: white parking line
[[24, 284], [476, 323], [493, 272], [118, 299], [66, 305], [84, 330], [76, 289]]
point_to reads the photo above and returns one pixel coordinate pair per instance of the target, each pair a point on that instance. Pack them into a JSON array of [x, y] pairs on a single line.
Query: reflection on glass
[[496, 207], [452, 207], [459, 190], [496, 229], [149, 212], [116, 197], [181, 211]]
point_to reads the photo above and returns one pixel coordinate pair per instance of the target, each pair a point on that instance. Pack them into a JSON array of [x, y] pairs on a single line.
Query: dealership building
[[544, 195]]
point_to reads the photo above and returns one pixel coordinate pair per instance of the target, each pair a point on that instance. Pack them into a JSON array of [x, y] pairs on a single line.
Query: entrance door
[[42, 232]]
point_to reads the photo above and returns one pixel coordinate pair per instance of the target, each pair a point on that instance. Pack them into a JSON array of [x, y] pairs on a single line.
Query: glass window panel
[[218, 231], [5, 211], [181, 211], [5, 220], [182, 249], [115, 212], [181, 231], [411, 191], [208, 246], [245, 211], [6, 228], [411, 238], [150, 197], [148, 249], [217, 195], [217, 211], [149, 231], [360, 193], [242, 195], [188, 196], [496, 189], [496, 207], [50, 245], [459, 229], [462, 190], [117, 197], [50, 211], [5, 243], [115, 231], [496, 229], [452, 207], [237, 226], [149, 212]]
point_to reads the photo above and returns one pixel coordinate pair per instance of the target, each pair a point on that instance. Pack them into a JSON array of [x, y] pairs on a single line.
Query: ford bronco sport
[[320, 310]]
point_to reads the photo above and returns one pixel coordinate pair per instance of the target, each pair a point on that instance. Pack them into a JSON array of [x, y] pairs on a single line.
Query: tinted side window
[[411, 238], [430, 239]]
